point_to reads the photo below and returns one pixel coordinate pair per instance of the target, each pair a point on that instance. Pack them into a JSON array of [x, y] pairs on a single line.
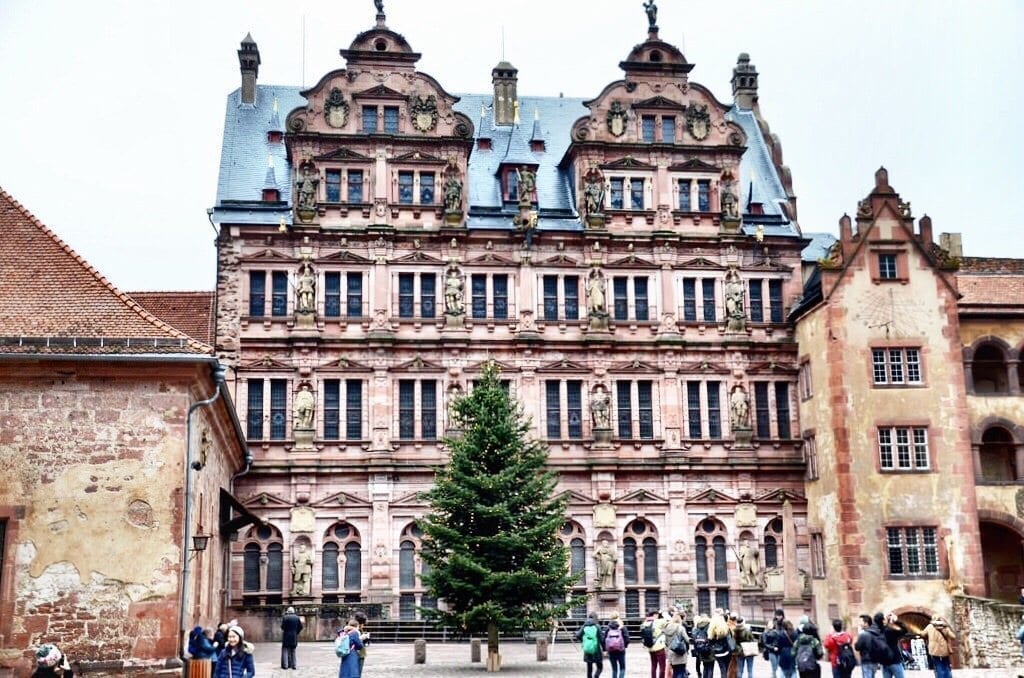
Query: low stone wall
[[987, 632]]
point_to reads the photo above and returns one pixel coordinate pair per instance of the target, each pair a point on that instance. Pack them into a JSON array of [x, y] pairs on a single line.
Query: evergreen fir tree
[[490, 538]]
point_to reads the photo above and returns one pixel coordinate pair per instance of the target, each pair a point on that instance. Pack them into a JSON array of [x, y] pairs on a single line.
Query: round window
[[264, 532], [342, 531]]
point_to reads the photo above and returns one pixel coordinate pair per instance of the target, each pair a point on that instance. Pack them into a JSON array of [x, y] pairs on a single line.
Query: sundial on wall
[[894, 312]]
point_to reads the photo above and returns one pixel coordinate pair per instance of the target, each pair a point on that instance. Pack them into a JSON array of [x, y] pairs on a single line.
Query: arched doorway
[[1001, 549]]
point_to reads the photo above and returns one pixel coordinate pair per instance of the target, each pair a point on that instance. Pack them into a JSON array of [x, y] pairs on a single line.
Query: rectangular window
[[690, 299], [708, 288], [684, 195], [703, 195], [647, 127], [775, 300], [405, 188], [333, 185], [887, 267], [369, 119], [499, 284], [278, 408], [624, 408], [512, 185], [782, 408], [804, 382], [553, 400], [636, 194], [714, 410], [550, 288], [756, 288], [332, 408], [903, 448], [574, 408], [428, 409], [896, 366], [279, 292], [645, 409], [355, 186], [640, 305], [428, 295], [762, 411], [571, 293], [254, 410], [426, 188], [257, 293], [332, 294], [811, 457], [354, 295], [406, 295], [693, 409], [353, 409], [668, 129], [406, 409], [621, 295], [391, 120], [615, 192], [913, 551], [478, 283], [817, 555]]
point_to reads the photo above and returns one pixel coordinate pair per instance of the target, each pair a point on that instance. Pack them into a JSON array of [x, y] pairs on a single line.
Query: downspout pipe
[[190, 466]]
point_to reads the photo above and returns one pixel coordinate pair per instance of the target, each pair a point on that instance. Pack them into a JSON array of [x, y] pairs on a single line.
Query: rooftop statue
[[652, 13]]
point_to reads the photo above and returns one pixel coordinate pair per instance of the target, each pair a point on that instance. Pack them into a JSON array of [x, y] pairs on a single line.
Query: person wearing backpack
[[700, 646], [346, 647], [937, 637], [591, 635], [678, 645], [652, 634], [807, 651], [839, 645], [616, 640]]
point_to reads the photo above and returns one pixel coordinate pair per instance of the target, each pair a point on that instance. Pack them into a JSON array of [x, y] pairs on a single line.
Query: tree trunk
[[493, 658]]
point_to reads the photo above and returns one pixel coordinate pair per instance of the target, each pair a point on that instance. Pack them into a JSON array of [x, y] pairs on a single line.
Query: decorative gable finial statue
[[652, 14]]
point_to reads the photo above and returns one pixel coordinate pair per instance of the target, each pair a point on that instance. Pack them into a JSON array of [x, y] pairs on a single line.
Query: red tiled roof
[[991, 265], [190, 312], [47, 290], [991, 290]]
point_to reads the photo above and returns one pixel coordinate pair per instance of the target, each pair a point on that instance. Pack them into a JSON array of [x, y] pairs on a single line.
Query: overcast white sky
[[113, 110]]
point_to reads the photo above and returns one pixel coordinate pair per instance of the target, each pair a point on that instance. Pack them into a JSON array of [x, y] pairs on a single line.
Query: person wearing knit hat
[[50, 661], [235, 660]]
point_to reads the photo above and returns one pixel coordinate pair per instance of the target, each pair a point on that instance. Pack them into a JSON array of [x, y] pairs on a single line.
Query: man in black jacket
[[893, 629], [291, 626], [871, 646]]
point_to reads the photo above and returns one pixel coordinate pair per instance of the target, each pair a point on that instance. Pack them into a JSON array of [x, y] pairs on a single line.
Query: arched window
[[711, 593], [407, 565], [275, 567], [721, 571], [262, 566], [772, 542], [329, 567], [572, 537], [701, 558], [650, 561], [342, 564], [577, 558], [629, 561], [640, 567], [411, 568], [353, 566], [998, 455], [988, 370]]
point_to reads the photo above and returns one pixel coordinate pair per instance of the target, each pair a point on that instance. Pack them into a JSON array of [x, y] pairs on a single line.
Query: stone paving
[[518, 659]]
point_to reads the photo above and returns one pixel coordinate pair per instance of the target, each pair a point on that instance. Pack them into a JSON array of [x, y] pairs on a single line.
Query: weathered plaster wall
[[986, 632]]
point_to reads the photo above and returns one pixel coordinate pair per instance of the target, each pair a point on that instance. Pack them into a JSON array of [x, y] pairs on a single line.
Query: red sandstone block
[[35, 623], [107, 416]]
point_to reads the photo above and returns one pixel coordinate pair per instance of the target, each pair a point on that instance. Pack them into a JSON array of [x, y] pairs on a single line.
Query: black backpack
[[699, 644], [846, 659], [805, 659], [647, 635]]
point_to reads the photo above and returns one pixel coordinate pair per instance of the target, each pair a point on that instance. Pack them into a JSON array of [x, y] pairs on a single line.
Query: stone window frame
[[418, 382], [704, 420], [342, 543], [562, 409], [817, 554], [642, 542], [10, 517], [709, 530], [418, 297], [1011, 364], [887, 364], [561, 314], [901, 274], [411, 534], [804, 380], [894, 466], [345, 381], [634, 410], [344, 302], [571, 532], [698, 278], [630, 299], [627, 177], [940, 552], [810, 448]]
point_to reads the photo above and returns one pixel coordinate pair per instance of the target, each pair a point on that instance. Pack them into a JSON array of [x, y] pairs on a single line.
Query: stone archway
[[1002, 543]]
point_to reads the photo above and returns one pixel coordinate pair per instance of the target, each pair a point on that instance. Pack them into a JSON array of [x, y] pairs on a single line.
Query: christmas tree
[[490, 538]]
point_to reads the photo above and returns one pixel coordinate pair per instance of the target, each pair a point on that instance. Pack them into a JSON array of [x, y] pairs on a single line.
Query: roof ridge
[[91, 270]]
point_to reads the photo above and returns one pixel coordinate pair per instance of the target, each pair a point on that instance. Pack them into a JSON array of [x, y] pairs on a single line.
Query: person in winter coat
[[51, 663], [808, 642], [769, 646], [937, 637], [592, 637], [616, 634], [700, 646], [202, 646], [656, 623], [893, 629], [743, 634], [871, 646], [350, 662], [676, 637], [235, 660], [833, 644], [722, 645], [291, 626], [784, 641]]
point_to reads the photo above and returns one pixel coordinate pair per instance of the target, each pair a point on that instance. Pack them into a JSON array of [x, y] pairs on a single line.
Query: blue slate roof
[[244, 162], [818, 247]]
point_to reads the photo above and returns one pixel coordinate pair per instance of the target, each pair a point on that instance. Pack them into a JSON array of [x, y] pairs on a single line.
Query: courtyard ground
[[518, 659]]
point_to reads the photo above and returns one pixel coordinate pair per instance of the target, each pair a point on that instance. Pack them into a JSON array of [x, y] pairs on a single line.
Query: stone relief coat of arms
[[424, 112], [336, 109]]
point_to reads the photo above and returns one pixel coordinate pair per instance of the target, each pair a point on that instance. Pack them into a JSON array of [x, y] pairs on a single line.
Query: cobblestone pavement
[[518, 659]]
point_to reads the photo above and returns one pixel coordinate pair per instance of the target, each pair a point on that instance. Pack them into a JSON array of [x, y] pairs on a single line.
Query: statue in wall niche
[[305, 407], [735, 314], [596, 293], [600, 408], [302, 571], [605, 557], [739, 408], [454, 286], [593, 192], [305, 289], [527, 185], [453, 193], [750, 564], [730, 210], [452, 396], [308, 185]]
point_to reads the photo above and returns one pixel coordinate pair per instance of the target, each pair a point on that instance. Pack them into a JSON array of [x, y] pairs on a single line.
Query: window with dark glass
[[499, 283], [354, 409], [251, 568], [645, 409], [703, 195], [428, 293], [701, 558], [278, 408], [275, 567], [775, 300], [550, 290], [913, 551], [704, 602], [332, 408], [354, 295], [407, 565], [279, 292], [512, 184], [332, 294], [668, 129], [636, 193], [369, 119], [333, 181], [761, 410], [353, 566], [647, 123], [693, 408], [684, 195], [355, 186], [428, 408], [650, 561], [718, 546], [640, 305], [574, 408], [690, 299], [478, 285], [553, 402], [756, 300], [254, 410], [722, 599], [708, 289], [771, 552], [629, 571], [391, 119], [624, 408], [887, 267], [329, 567], [577, 557], [426, 188], [257, 293], [571, 292], [782, 408], [405, 188], [621, 295], [714, 410], [406, 295], [406, 409], [615, 193]]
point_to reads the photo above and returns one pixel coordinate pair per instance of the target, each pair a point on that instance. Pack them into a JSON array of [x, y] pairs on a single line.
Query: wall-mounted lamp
[[200, 542]]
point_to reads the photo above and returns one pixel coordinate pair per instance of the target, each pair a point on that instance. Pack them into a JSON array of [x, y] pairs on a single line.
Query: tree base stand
[[493, 661]]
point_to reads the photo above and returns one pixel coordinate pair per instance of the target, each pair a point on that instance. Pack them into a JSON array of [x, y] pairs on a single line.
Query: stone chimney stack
[[925, 230], [744, 83], [504, 79], [249, 64], [952, 243]]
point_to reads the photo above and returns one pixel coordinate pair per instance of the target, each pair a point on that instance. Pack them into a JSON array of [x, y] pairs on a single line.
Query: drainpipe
[[226, 598], [218, 379]]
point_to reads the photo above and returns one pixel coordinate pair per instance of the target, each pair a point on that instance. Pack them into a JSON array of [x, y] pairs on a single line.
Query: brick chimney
[[503, 76], [249, 64], [744, 83]]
